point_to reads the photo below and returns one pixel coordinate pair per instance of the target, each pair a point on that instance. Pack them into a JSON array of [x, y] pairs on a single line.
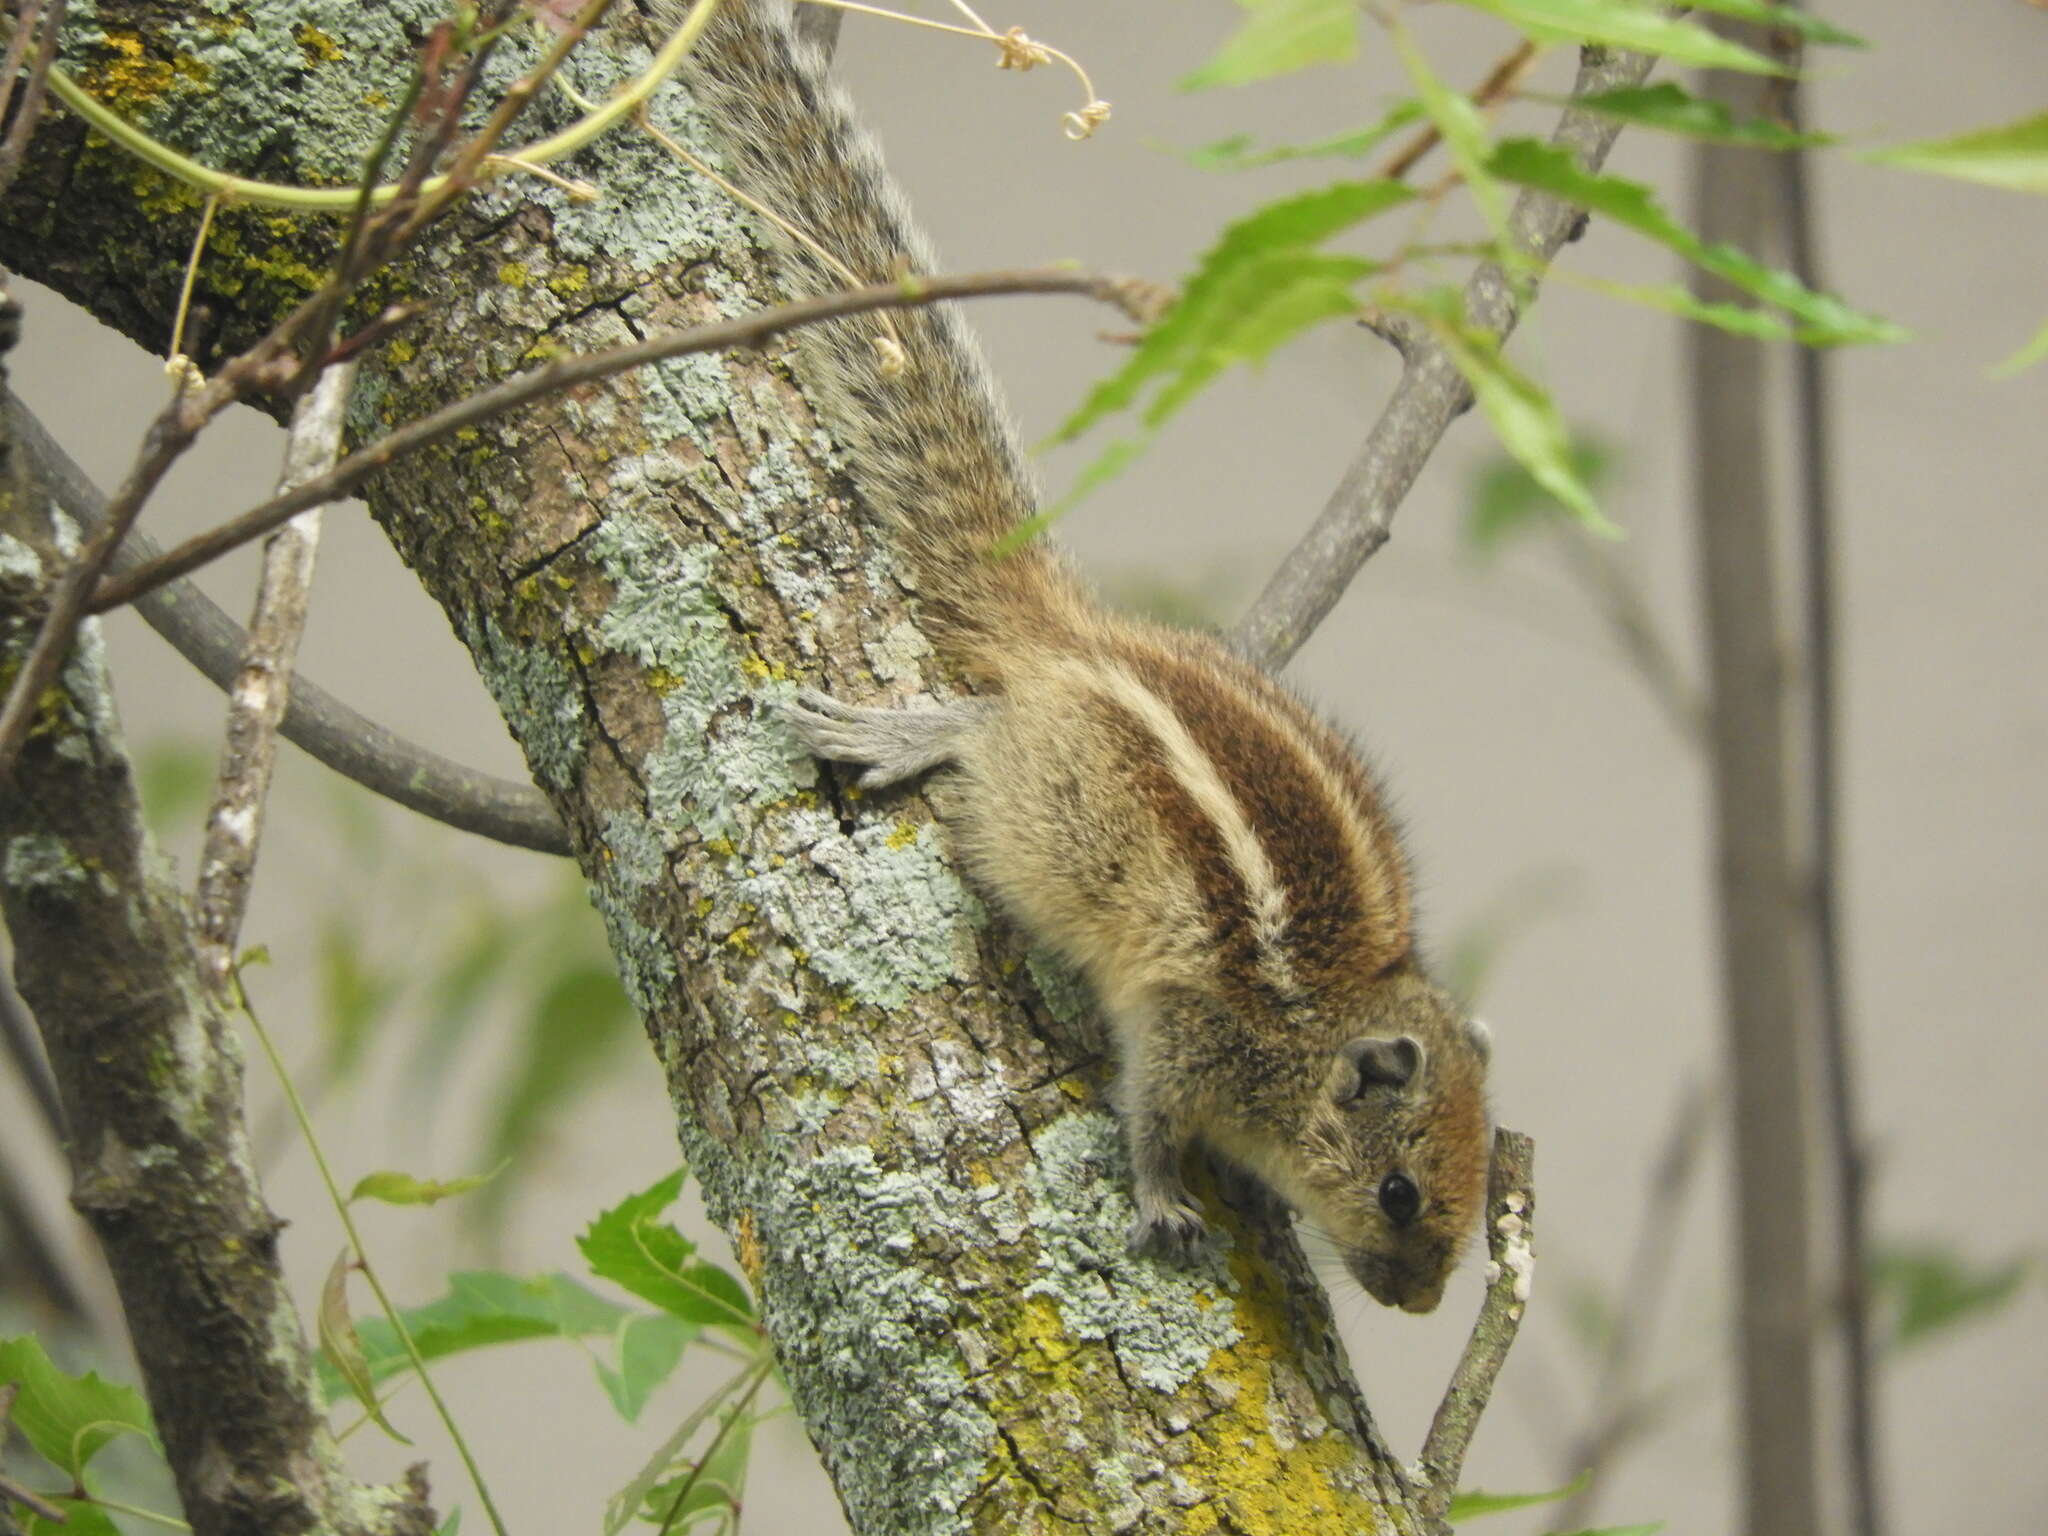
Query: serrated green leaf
[[1670, 108], [1925, 1290], [68, 1419], [1523, 416], [1823, 319], [1626, 24], [344, 1351], [482, 1308], [622, 1507], [2013, 155], [1278, 37], [1740, 319], [452, 1524], [394, 1188], [632, 1247], [1467, 1506], [1237, 154], [649, 1349], [2027, 356], [1507, 502], [1291, 225], [1784, 18], [1463, 127]]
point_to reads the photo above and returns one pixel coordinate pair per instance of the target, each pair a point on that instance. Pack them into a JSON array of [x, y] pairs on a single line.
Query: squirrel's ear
[[1372, 1062], [1480, 1038]]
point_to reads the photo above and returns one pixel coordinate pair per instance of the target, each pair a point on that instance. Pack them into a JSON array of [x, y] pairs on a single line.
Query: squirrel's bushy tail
[[931, 449]]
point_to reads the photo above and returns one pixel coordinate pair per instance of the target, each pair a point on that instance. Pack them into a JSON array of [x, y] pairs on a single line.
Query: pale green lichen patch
[[1163, 1321], [537, 694], [284, 71], [725, 747], [868, 1335], [891, 920], [39, 864], [1060, 985], [638, 859], [647, 967], [644, 233]]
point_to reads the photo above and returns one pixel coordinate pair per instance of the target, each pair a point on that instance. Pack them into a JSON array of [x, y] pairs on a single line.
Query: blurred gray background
[[1536, 775]]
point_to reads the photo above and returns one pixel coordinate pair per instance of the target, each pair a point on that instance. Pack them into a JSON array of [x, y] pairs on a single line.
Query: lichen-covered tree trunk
[[894, 1111]]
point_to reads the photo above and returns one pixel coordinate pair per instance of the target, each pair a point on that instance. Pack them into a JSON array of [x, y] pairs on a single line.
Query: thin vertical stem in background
[[1759, 913], [1816, 521]]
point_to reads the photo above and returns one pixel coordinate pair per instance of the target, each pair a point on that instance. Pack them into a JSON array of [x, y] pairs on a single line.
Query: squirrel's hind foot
[[896, 744]]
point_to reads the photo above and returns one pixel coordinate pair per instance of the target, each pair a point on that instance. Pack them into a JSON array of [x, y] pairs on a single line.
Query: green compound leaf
[[1523, 415], [1463, 127], [68, 1419], [1466, 1506], [1670, 108], [631, 1247], [1784, 18], [2013, 156], [1924, 1290], [1279, 37], [1261, 284], [2027, 356], [1823, 319], [649, 1349], [395, 1188], [1238, 154], [483, 1307], [1625, 24]]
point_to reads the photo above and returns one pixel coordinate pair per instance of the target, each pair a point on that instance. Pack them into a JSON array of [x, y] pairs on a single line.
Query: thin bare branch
[[566, 373], [1430, 395], [30, 109], [282, 360], [346, 740], [143, 1057], [1511, 1264], [256, 703]]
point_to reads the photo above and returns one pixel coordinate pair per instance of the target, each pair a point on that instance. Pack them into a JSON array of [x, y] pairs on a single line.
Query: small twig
[[256, 703], [30, 110], [10, 1490], [1511, 1262], [347, 741], [759, 1371], [1431, 394], [1499, 82], [567, 372], [1618, 1407]]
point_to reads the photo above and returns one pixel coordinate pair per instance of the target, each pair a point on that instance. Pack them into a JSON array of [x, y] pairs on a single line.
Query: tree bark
[[151, 1081], [896, 1113]]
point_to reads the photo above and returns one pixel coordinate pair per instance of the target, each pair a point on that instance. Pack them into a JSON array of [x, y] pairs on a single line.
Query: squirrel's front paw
[[1172, 1232]]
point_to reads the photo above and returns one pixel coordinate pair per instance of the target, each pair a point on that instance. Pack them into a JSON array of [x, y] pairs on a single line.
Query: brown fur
[[1210, 854]]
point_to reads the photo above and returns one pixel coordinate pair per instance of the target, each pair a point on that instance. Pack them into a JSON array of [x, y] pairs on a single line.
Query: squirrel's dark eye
[[1399, 1198]]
